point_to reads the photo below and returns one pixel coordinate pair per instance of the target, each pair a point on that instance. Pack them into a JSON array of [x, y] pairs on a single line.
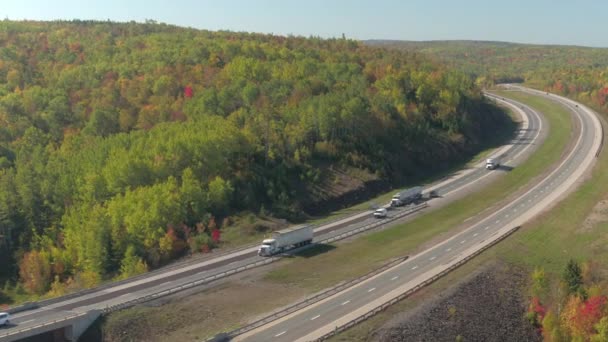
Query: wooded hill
[[125, 145], [575, 71]]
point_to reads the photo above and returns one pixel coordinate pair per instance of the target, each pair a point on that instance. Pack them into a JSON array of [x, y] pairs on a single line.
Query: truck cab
[[492, 163], [267, 248], [396, 202]]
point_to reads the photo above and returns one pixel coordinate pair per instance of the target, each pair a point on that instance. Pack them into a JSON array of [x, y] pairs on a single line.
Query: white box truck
[[285, 239], [406, 196]]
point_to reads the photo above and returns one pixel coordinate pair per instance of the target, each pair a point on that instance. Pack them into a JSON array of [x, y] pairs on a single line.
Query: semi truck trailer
[[406, 196], [286, 239]]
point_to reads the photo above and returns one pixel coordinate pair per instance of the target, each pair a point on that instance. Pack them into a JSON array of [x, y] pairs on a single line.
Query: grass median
[[367, 252], [566, 231]]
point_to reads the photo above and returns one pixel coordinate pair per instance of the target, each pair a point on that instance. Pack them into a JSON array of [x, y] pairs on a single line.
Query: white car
[[4, 318], [380, 213], [492, 163]]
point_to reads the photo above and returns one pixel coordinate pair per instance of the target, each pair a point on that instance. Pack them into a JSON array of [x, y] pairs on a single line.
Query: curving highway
[[334, 312], [530, 133]]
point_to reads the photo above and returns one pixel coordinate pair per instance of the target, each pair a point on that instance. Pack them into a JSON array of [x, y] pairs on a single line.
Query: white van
[[4, 318], [492, 163]]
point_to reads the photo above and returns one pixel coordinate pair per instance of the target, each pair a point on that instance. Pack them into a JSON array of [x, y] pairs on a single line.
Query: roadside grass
[[350, 260], [547, 242]]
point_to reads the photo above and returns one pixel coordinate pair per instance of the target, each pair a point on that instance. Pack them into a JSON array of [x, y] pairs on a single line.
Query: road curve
[[336, 311], [114, 294]]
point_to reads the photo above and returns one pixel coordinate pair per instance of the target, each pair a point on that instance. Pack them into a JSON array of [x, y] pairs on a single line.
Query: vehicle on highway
[[4, 318], [286, 239], [492, 163], [406, 196], [380, 213]]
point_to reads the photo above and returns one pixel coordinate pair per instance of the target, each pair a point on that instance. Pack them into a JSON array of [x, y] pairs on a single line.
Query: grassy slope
[[547, 242]]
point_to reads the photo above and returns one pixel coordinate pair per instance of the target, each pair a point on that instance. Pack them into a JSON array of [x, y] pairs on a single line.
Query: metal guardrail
[[313, 299], [47, 323], [409, 292], [266, 261]]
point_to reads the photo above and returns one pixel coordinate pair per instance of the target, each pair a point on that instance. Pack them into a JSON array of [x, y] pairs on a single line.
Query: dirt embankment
[[490, 306]]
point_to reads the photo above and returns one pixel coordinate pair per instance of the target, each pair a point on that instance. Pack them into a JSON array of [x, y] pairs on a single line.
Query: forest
[[126, 145], [575, 71]]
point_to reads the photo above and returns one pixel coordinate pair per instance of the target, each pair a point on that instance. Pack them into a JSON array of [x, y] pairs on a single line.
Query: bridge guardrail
[[47, 323]]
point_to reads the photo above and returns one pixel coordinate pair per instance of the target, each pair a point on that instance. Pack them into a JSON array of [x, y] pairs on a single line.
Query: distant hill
[[502, 60]]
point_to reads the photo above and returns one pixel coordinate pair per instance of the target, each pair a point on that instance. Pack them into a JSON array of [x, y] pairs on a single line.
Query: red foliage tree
[[215, 235], [188, 93], [590, 314]]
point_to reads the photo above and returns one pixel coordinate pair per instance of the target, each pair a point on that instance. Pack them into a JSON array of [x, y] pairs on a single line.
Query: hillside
[[125, 145], [575, 71]]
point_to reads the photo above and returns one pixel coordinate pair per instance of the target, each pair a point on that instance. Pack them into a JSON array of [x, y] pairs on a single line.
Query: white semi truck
[[406, 196], [285, 239]]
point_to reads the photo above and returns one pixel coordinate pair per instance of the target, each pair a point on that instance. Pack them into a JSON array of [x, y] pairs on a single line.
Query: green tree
[[132, 264], [572, 276]]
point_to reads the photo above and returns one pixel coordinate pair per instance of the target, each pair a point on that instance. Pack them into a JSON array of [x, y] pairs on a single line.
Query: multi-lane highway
[[327, 315], [531, 132]]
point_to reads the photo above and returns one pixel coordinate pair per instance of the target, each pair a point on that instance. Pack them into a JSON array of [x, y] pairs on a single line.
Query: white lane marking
[[433, 258], [497, 221], [475, 234], [165, 283], [279, 334], [30, 320], [371, 290], [317, 316], [415, 267], [395, 277], [486, 228], [507, 215], [515, 210], [449, 249], [463, 241], [529, 200], [348, 301]]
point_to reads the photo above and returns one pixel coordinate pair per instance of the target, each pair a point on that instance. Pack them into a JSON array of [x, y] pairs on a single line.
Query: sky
[[580, 22]]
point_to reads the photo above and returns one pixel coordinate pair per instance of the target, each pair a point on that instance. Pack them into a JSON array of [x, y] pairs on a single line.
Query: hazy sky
[[578, 22]]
